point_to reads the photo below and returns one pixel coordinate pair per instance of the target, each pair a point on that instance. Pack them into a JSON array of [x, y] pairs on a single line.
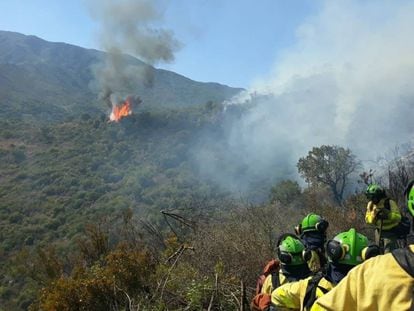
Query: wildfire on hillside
[[124, 108]]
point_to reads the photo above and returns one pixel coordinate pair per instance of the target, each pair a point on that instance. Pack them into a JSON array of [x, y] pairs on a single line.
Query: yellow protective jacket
[[292, 295], [393, 219], [268, 284], [377, 284]]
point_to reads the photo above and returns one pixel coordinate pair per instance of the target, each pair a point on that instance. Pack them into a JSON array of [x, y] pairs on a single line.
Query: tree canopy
[[330, 166], [285, 192]]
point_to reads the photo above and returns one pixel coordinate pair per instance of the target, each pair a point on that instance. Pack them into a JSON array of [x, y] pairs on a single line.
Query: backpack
[[272, 267], [310, 294], [403, 228], [405, 258], [262, 302]]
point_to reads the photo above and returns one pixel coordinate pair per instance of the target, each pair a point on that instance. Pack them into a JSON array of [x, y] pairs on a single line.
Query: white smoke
[[348, 80]]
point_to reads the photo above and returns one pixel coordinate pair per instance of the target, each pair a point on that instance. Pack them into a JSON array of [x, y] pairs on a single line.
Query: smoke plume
[[130, 27], [348, 80]]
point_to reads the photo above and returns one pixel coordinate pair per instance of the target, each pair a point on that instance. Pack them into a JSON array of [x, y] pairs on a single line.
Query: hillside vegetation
[[84, 198], [59, 177]]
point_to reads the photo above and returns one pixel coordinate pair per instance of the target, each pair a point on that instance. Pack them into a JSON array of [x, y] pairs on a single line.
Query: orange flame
[[120, 110]]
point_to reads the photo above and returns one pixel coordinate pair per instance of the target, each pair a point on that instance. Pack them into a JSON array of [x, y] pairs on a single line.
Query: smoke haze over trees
[[346, 81]]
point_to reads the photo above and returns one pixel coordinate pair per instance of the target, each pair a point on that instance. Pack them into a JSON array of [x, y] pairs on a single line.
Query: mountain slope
[[56, 178], [51, 81]]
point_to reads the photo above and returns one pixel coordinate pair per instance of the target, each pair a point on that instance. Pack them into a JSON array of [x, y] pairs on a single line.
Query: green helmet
[[409, 192], [312, 222], [375, 191], [290, 250], [348, 248]]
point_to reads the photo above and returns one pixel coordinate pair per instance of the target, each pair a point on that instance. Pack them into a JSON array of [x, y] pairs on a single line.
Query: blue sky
[[232, 42]]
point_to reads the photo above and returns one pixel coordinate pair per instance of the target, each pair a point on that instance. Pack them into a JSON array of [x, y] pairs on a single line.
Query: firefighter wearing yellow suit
[[344, 252], [382, 283], [312, 232], [378, 284], [385, 215], [293, 266]]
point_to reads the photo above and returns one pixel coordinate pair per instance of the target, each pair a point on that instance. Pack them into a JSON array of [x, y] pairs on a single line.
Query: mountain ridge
[[54, 80]]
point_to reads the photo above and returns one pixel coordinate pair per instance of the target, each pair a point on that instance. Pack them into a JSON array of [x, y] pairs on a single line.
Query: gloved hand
[[382, 214], [370, 214]]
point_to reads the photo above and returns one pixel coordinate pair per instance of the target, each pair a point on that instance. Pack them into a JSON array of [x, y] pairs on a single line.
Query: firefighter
[[382, 283], [292, 258], [385, 215], [344, 252], [312, 231], [290, 266]]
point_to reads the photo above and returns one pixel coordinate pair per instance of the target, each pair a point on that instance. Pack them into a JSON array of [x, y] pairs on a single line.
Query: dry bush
[[192, 269], [124, 276], [237, 245], [95, 244]]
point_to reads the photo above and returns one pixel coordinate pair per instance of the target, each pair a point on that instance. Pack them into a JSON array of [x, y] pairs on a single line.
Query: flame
[[120, 110]]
